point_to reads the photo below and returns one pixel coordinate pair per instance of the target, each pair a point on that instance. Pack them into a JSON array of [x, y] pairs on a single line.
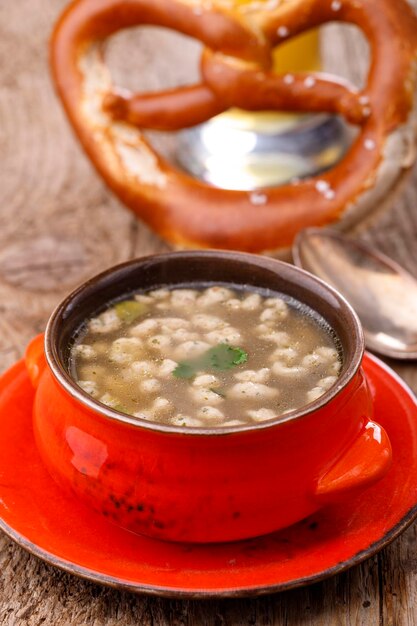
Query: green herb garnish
[[184, 370], [129, 310], [224, 357], [221, 358]]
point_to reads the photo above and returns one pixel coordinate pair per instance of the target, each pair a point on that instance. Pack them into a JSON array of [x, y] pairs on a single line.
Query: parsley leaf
[[221, 358], [224, 357], [184, 370]]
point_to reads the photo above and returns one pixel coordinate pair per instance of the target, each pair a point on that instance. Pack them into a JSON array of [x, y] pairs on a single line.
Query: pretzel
[[236, 71]]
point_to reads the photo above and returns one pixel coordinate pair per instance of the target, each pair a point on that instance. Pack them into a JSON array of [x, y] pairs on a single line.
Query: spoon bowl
[[383, 293]]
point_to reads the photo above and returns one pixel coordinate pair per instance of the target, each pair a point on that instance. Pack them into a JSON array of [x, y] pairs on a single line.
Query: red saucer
[[58, 529]]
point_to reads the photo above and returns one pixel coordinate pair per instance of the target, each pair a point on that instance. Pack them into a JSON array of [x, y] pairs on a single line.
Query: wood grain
[[60, 225]]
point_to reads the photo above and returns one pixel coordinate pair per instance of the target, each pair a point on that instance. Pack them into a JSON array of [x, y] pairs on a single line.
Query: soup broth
[[215, 356]]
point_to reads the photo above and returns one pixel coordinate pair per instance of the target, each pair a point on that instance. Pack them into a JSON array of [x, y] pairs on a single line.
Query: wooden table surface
[[60, 225]]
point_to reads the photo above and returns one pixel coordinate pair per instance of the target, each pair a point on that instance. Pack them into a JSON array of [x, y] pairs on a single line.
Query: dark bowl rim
[[70, 386]]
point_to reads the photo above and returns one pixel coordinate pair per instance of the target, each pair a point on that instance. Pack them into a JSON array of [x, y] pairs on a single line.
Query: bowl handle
[[364, 463], [35, 359]]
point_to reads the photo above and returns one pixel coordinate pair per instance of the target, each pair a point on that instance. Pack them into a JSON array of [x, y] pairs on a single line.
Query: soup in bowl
[[206, 356], [205, 396]]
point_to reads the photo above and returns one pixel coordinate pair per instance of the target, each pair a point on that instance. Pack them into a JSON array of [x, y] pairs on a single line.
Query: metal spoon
[[383, 294]]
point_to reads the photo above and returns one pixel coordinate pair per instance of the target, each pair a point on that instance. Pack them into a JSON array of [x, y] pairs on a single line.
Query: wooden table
[[59, 225]]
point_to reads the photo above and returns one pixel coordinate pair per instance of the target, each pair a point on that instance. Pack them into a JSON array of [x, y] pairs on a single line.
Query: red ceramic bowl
[[202, 485]]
